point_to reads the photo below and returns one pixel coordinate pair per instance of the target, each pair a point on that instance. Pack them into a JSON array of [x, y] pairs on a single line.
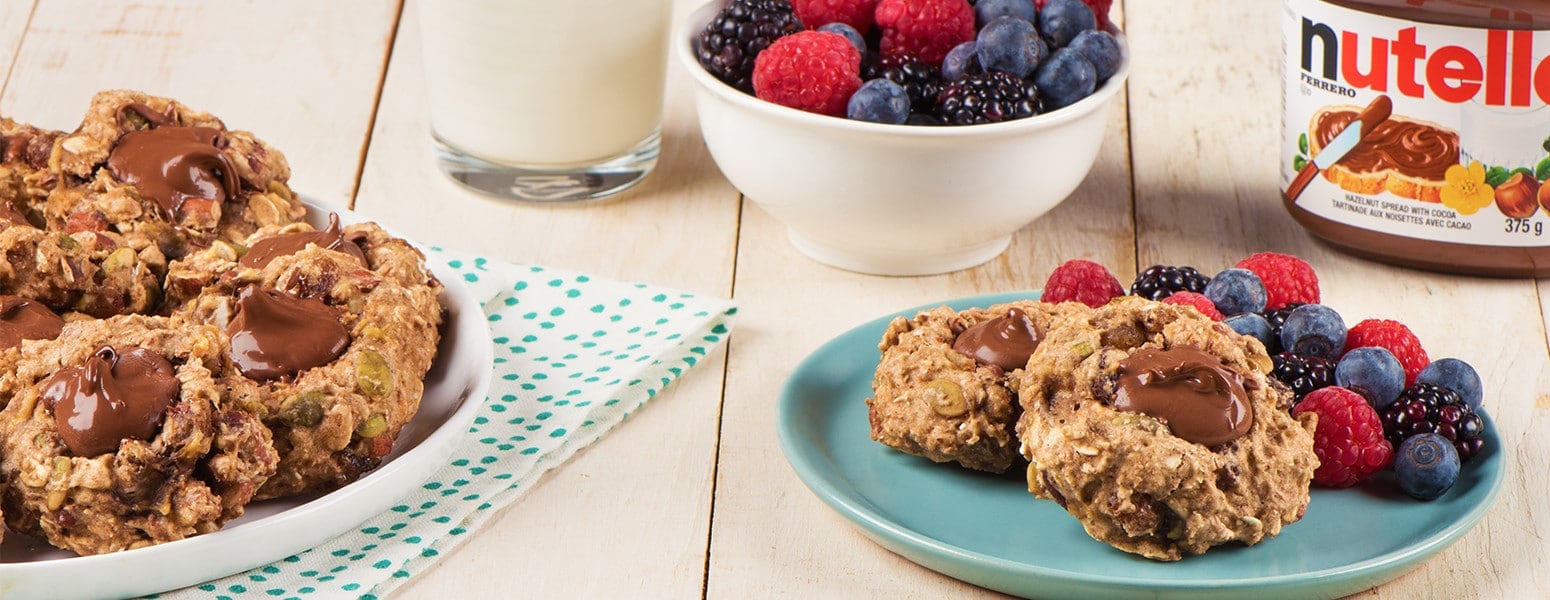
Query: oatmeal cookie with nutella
[[25, 176], [164, 174], [1158, 429], [945, 388], [332, 333], [92, 272], [116, 435]]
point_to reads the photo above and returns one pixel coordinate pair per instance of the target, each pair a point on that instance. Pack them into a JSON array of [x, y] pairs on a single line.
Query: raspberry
[[855, 13], [744, 28], [1100, 10], [1349, 438], [1199, 301], [1287, 279], [815, 71], [1082, 281], [1394, 337], [924, 30]]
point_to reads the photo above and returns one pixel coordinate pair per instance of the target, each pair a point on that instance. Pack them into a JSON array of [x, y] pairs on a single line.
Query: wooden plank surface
[[628, 517], [285, 70], [771, 537], [1205, 127], [13, 24]]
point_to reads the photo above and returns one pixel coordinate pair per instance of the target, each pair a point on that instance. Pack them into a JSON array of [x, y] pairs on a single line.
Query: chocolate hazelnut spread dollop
[[1200, 399], [117, 394], [275, 334], [1005, 341], [25, 319], [1412, 148], [172, 165], [331, 238]]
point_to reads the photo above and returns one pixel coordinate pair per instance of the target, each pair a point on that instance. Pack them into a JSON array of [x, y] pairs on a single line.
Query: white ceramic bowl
[[895, 199]]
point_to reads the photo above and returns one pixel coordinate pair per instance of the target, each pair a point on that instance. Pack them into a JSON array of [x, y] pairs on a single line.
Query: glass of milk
[[545, 100]]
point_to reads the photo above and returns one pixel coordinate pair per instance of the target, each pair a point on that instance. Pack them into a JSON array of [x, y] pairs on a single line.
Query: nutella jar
[[1417, 132]]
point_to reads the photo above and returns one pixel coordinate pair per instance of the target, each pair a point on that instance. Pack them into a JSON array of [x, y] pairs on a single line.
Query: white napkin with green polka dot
[[574, 355]]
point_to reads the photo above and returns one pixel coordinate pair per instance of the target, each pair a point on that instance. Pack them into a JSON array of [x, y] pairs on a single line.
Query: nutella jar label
[[1415, 129]]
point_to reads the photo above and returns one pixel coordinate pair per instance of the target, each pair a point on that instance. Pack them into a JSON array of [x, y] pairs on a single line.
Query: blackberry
[[1160, 281], [1302, 373], [1277, 318], [987, 98], [744, 28], [1428, 408], [921, 81]]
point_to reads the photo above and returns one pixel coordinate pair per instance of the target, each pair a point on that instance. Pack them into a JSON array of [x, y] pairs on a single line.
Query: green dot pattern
[[575, 355]]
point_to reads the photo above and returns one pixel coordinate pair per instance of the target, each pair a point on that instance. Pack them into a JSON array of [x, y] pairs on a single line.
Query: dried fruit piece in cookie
[[25, 177], [158, 171], [93, 272], [944, 388], [116, 436], [336, 408], [1212, 459]]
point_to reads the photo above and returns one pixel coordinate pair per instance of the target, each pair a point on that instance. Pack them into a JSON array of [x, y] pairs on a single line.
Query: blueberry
[[1236, 291], [1253, 325], [850, 34], [986, 11], [1372, 372], [1455, 375], [1427, 465], [879, 101], [1101, 49], [1314, 329], [960, 61], [1008, 44], [1065, 78], [1061, 20]]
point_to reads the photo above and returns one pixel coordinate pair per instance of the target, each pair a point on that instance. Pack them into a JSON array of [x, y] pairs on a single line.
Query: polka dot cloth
[[574, 355]]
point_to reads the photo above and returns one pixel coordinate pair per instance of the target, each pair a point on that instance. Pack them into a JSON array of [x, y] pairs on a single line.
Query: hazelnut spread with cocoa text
[[330, 238], [26, 319], [1198, 397], [1453, 176], [1005, 341], [173, 165], [117, 394], [275, 334]]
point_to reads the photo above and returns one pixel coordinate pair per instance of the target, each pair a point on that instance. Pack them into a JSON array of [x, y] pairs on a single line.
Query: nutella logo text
[[1505, 73]]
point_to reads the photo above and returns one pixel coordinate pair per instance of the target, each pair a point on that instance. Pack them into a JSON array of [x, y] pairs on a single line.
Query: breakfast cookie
[[1158, 429], [331, 336], [93, 272], [164, 174], [117, 435], [25, 177], [945, 388]]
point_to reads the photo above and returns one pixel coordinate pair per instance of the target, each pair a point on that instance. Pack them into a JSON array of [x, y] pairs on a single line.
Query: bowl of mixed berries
[[904, 137]]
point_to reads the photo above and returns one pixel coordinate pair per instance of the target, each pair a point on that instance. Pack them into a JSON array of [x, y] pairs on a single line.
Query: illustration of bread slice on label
[[1407, 157]]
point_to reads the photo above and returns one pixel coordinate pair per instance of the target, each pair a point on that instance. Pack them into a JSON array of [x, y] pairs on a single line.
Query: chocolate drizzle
[[25, 319], [275, 334], [116, 395], [331, 238], [1198, 397], [1411, 148], [1005, 341], [173, 165]]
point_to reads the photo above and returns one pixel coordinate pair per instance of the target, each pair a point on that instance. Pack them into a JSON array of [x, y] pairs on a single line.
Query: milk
[[545, 82]]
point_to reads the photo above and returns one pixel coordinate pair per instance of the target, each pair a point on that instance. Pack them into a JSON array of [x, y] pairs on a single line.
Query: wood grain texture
[[13, 24], [771, 537], [1205, 134], [302, 75], [630, 516]]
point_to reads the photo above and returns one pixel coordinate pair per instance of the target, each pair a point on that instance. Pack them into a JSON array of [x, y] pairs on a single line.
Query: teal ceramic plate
[[987, 530]]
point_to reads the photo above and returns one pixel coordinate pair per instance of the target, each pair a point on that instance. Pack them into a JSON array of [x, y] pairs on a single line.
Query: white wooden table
[[692, 497]]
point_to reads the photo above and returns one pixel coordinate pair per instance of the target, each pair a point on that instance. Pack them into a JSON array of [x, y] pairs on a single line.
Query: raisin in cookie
[[1158, 429], [945, 388]]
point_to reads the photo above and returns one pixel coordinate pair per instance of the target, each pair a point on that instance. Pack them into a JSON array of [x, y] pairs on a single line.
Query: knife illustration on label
[[1365, 123]]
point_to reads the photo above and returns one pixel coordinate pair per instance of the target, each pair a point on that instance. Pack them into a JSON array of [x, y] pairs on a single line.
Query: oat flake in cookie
[[116, 435], [1221, 462], [945, 387]]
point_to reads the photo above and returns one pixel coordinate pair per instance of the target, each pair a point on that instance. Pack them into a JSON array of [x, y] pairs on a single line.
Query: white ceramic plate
[[271, 530]]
